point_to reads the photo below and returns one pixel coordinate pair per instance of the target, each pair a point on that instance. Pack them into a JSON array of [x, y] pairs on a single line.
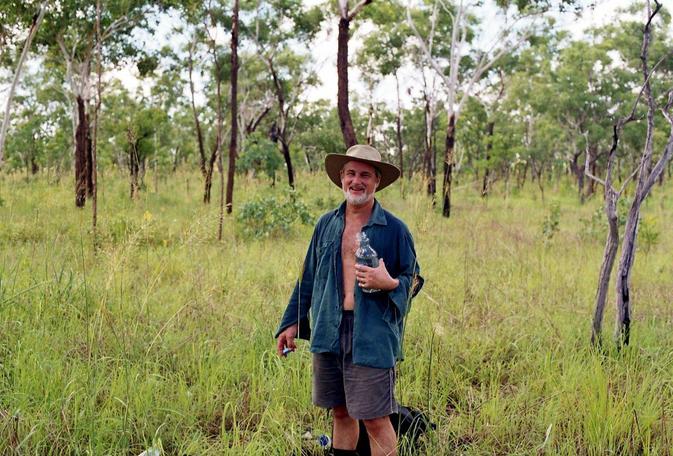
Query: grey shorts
[[367, 392]]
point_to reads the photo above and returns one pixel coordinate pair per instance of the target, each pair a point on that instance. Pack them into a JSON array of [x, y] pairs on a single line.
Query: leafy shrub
[[550, 225], [325, 203], [259, 155], [648, 235], [265, 216], [596, 226]]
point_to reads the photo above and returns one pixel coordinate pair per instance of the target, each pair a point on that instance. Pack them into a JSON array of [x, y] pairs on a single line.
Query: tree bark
[[195, 113], [448, 164], [647, 175], [37, 19], [611, 243], [279, 132], [342, 88], [233, 146], [429, 163], [133, 164], [96, 117], [82, 154], [370, 125], [489, 146]]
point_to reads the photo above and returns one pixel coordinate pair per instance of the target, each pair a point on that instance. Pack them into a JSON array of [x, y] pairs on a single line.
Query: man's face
[[358, 182]]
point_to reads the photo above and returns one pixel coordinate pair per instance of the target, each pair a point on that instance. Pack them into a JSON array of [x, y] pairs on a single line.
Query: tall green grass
[[163, 337]]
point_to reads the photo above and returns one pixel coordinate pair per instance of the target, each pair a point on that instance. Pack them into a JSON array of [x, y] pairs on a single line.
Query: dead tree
[[647, 176]]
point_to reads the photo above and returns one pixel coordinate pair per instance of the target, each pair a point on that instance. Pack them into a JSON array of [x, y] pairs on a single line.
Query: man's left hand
[[375, 278]]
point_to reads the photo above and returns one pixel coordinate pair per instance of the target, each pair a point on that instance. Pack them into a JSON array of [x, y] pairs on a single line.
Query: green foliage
[[259, 155], [648, 234], [271, 216], [596, 225], [551, 222]]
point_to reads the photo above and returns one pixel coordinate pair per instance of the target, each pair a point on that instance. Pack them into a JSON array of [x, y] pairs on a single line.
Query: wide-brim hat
[[364, 154]]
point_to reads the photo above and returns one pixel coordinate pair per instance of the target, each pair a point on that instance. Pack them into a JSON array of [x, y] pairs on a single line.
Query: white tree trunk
[[17, 74]]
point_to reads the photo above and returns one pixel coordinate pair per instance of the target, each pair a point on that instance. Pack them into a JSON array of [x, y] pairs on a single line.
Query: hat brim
[[334, 163]]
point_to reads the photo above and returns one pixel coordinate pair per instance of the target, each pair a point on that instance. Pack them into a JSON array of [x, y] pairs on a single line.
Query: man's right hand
[[286, 339]]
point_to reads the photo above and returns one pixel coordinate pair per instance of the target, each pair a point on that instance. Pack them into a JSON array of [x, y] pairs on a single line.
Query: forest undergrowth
[[161, 337]]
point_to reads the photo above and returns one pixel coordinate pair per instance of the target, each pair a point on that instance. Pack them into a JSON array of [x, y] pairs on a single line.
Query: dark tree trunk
[[134, 163], [82, 154], [195, 113], [233, 140], [285, 148], [34, 167], [210, 166], [448, 164], [593, 158], [279, 133], [489, 146], [429, 166], [342, 89]]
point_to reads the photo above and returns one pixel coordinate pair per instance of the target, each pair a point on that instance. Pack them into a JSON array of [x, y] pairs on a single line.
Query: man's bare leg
[[382, 437], [346, 429]]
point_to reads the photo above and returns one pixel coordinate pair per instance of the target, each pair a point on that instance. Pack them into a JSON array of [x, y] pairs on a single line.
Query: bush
[[596, 226], [550, 225], [265, 216], [260, 155], [648, 235]]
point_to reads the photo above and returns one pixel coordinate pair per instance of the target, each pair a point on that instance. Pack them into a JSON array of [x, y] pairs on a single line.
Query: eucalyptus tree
[[279, 28], [348, 10], [383, 53], [68, 34], [318, 132], [17, 14], [41, 122], [462, 67], [233, 142], [133, 130]]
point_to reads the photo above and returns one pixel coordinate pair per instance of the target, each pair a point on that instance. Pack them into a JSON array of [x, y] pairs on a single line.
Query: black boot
[[338, 452]]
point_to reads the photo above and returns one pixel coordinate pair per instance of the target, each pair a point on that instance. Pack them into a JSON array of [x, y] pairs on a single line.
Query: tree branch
[[358, 8]]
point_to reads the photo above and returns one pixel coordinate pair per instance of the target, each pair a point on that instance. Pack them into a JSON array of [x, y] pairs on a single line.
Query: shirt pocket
[[325, 255]]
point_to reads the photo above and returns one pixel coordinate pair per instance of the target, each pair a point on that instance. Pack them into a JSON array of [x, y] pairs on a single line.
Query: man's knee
[[340, 412], [377, 425]]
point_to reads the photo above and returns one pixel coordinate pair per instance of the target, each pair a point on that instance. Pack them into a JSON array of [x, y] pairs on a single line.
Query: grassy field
[[163, 337]]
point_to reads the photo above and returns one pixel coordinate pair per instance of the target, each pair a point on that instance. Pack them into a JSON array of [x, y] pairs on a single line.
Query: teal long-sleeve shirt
[[379, 317]]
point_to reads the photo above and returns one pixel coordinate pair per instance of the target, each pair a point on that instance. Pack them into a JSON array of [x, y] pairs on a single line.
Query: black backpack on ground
[[409, 423]]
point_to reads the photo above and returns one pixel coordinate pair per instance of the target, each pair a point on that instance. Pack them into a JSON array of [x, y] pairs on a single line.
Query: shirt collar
[[378, 216]]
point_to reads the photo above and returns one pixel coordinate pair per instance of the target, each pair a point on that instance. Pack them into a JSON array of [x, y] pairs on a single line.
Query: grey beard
[[357, 200]]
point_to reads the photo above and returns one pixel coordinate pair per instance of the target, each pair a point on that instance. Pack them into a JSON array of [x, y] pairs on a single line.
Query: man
[[356, 335]]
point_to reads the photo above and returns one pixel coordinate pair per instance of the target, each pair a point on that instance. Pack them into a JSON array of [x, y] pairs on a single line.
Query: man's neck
[[361, 213]]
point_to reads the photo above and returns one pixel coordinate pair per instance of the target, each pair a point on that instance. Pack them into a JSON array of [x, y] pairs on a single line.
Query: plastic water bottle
[[366, 255]]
